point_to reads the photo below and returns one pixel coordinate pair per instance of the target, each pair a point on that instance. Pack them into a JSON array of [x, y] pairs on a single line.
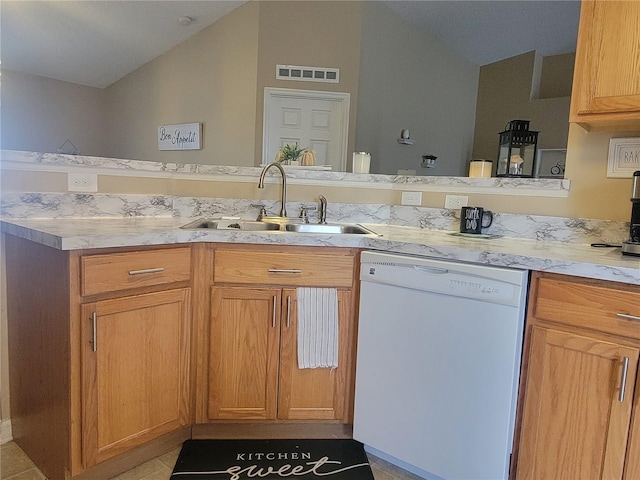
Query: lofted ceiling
[[95, 43], [485, 31]]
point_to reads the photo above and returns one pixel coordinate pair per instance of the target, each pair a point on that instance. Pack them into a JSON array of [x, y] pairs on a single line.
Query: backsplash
[[69, 205]]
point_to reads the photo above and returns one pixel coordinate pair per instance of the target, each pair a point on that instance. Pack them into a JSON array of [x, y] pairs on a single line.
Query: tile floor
[[15, 465]]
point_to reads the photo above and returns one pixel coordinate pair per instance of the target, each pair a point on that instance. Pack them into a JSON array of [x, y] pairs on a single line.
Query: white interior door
[[312, 119]]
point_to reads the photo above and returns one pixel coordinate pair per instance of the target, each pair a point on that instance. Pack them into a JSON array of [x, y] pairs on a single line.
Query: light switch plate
[[411, 198]]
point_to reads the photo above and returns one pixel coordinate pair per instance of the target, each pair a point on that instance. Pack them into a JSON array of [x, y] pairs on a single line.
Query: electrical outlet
[[456, 201], [82, 182], [411, 198]]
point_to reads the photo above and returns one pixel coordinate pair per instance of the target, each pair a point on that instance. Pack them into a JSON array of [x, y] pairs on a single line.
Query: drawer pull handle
[[623, 380], [146, 270], [94, 324], [628, 317], [284, 270]]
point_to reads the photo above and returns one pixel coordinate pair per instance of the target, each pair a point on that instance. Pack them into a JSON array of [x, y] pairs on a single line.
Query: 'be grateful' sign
[[185, 136]]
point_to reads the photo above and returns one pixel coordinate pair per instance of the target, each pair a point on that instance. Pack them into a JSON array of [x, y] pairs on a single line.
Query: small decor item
[[405, 137], [429, 161], [185, 136], [308, 158], [517, 150], [480, 168], [293, 155], [68, 148], [474, 219], [550, 162], [361, 162], [624, 157]]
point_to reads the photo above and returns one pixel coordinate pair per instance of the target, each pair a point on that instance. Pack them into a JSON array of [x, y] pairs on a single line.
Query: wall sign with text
[[185, 136], [624, 157]]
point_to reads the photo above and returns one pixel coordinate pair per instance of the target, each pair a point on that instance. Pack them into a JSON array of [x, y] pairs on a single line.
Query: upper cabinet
[[606, 84]]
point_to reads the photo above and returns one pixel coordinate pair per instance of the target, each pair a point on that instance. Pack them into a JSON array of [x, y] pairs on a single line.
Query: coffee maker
[[632, 246]]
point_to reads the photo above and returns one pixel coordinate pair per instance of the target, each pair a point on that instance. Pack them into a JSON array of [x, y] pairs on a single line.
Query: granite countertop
[[558, 257]]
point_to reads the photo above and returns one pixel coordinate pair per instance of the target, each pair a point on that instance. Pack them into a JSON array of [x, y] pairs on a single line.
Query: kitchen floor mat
[[336, 459]]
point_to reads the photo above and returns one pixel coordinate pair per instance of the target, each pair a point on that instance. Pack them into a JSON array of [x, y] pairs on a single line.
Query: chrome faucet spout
[[283, 195], [322, 211]]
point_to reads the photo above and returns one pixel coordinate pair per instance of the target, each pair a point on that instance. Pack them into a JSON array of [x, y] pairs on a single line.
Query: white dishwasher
[[438, 364]]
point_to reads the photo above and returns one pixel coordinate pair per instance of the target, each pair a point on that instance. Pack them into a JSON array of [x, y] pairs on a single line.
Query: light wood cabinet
[[112, 349], [135, 349], [578, 399], [319, 393], [243, 353], [253, 370], [606, 85], [135, 371], [115, 272], [130, 399], [574, 424]]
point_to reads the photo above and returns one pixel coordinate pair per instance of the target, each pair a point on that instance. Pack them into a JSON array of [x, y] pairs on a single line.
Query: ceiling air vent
[[308, 74]]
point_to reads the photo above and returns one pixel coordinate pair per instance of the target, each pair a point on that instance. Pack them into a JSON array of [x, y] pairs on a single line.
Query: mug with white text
[[474, 219]]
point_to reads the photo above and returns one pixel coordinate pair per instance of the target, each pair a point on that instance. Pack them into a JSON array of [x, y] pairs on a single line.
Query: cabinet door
[[575, 421], [243, 353], [135, 371], [632, 465], [312, 394], [607, 73]]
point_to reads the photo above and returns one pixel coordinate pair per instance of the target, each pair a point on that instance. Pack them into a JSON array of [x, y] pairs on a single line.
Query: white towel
[[317, 327]]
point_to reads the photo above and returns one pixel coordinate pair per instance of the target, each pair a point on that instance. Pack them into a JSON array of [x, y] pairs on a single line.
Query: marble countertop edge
[[556, 257]]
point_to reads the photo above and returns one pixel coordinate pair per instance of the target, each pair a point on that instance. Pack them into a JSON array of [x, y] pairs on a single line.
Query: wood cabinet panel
[[632, 464], [296, 269], [606, 87], [243, 353], [253, 363], [38, 343], [587, 306], [135, 371], [122, 271], [318, 393], [574, 423]]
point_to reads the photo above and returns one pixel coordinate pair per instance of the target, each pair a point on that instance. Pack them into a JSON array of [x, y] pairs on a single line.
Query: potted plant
[[291, 154]]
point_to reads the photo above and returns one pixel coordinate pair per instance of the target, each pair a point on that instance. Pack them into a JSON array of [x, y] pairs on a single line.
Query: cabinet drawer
[[121, 271], [603, 308], [295, 269]]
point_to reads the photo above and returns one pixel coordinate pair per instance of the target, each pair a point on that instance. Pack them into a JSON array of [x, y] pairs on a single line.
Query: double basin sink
[[278, 224]]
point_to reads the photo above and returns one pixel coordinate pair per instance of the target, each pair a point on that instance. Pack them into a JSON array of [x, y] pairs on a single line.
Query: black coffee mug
[[474, 219]]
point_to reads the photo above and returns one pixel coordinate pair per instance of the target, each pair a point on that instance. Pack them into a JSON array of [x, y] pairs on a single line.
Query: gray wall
[[505, 93], [39, 114], [410, 80]]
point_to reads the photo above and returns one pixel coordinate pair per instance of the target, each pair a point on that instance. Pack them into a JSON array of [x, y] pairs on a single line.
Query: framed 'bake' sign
[[624, 157], [185, 136]]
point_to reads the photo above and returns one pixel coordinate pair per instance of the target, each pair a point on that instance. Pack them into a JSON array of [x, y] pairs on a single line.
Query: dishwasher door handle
[[435, 270]]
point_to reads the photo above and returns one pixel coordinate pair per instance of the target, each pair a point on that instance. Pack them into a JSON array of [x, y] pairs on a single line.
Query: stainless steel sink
[[327, 228], [280, 224], [244, 225]]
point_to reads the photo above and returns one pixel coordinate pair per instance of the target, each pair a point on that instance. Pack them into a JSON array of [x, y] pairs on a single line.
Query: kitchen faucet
[[283, 197]]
